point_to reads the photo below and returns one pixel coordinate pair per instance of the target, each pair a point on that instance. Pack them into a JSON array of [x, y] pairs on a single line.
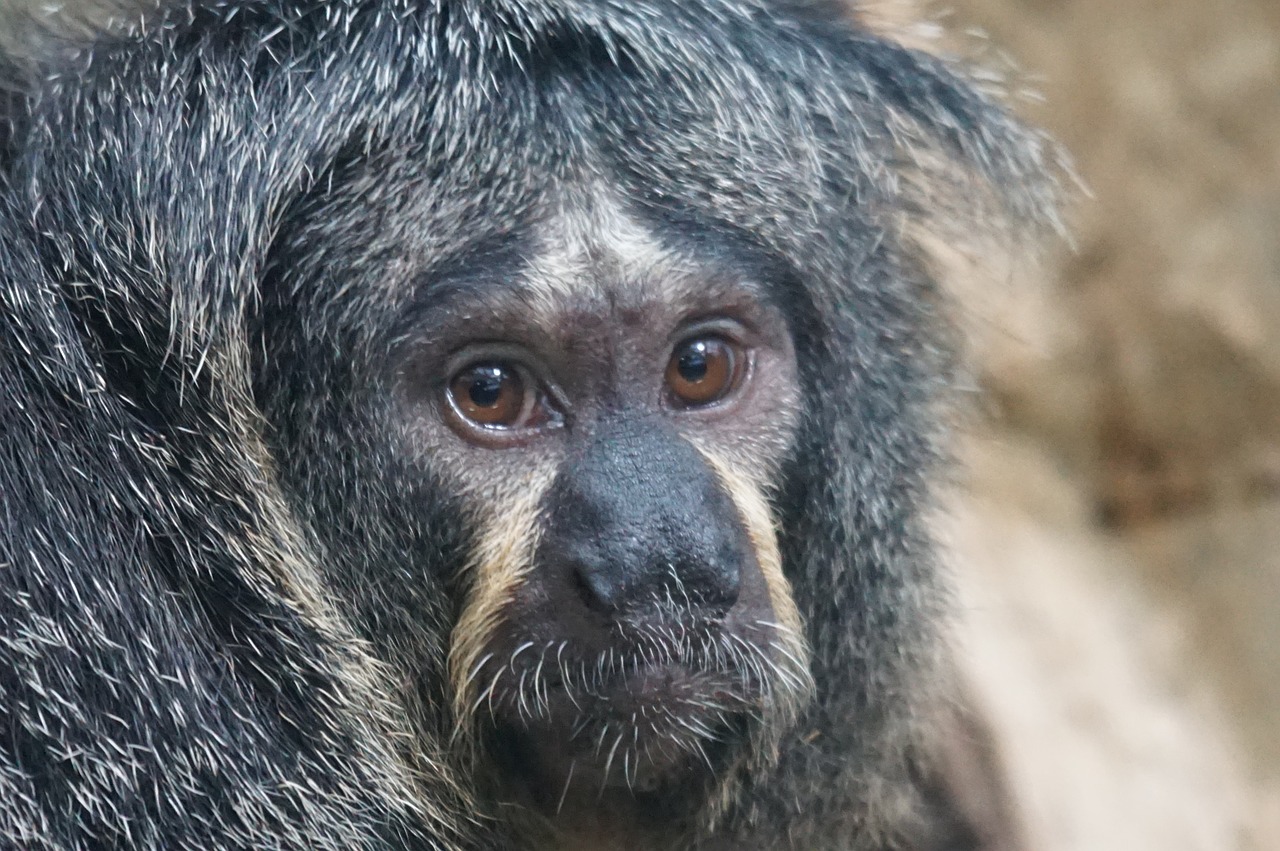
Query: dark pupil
[[486, 385], [692, 364]]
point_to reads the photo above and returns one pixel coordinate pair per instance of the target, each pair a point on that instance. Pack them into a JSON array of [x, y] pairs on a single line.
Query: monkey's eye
[[497, 395], [703, 370]]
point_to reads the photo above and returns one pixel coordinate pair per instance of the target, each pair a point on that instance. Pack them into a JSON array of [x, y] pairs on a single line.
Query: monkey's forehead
[[587, 248]]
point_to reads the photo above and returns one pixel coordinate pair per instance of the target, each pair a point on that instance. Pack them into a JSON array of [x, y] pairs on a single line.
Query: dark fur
[[223, 604]]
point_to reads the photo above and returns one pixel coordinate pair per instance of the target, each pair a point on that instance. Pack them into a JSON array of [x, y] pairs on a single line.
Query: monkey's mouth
[[660, 711], [645, 728]]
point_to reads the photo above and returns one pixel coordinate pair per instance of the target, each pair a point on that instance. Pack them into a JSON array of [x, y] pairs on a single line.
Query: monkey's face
[[613, 413]]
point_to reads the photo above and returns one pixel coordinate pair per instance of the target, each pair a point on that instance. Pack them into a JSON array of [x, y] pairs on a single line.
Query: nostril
[[723, 596], [594, 589], [713, 585]]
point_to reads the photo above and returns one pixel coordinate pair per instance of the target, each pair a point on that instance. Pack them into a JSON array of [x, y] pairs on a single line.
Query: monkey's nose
[[710, 588], [640, 519]]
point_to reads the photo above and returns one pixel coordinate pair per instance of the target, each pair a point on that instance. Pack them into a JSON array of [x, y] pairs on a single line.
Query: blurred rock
[[1113, 739], [1117, 542]]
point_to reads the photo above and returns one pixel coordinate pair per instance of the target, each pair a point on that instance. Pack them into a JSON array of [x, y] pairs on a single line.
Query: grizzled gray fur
[[227, 602]]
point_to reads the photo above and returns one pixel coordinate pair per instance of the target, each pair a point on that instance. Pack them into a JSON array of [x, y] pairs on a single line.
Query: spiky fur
[[225, 609]]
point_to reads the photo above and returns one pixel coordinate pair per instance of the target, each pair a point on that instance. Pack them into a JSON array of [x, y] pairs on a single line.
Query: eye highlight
[[703, 370]]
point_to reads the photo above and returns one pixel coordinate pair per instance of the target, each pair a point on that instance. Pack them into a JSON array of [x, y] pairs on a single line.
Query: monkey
[[476, 425]]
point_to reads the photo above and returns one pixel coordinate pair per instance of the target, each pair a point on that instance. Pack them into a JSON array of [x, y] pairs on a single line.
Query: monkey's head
[[596, 358], [583, 423], [581, 341], [614, 411]]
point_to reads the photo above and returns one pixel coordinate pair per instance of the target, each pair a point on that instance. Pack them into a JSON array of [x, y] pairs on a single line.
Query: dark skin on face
[[635, 651]]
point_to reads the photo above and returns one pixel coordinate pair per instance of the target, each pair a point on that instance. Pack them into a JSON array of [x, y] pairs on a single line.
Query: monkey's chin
[[660, 731]]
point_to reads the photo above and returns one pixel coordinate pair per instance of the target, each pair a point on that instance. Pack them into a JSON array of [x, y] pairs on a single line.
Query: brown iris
[[492, 395], [703, 370]]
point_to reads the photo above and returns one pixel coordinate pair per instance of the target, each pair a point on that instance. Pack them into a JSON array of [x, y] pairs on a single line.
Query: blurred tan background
[[1116, 541]]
